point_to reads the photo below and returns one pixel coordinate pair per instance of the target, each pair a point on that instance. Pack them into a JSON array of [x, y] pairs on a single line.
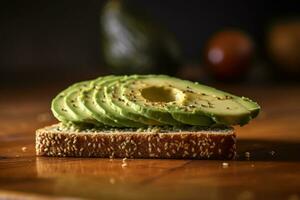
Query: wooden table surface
[[272, 170]]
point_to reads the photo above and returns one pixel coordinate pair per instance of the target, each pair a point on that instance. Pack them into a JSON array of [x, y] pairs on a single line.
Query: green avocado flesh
[[150, 100], [100, 101], [95, 111], [65, 106], [115, 99]]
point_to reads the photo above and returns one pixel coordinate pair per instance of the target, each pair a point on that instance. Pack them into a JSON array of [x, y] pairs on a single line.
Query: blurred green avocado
[[133, 43]]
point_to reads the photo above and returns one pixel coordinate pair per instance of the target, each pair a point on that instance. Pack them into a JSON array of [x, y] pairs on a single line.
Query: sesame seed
[[200, 148], [225, 165], [166, 147], [247, 155], [112, 181]]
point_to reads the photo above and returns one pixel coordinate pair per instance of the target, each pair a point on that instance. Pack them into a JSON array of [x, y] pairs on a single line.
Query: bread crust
[[200, 144]]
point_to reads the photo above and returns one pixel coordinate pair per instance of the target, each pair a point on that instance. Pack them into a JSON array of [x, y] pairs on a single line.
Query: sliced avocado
[[149, 109], [58, 105], [186, 101], [117, 103], [86, 101], [139, 100], [74, 106], [100, 100], [252, 106]]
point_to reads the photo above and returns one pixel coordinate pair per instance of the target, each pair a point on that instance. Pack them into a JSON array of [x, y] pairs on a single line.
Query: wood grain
[[268, 166]]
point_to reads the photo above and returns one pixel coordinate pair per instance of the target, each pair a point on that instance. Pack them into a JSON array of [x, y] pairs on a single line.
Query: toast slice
[[171, 143]]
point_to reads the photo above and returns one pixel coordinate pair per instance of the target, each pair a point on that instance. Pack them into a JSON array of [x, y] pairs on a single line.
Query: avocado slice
[[59, 105], [100, 100], [117, 103], [74, 106], [146, 108], [96, 112], [252, 106], [188, 102]]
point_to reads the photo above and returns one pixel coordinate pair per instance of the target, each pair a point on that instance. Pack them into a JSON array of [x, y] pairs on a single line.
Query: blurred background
[[249, 42]]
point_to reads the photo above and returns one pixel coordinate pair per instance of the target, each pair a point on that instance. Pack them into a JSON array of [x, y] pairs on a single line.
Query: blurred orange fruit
[[284, 45]]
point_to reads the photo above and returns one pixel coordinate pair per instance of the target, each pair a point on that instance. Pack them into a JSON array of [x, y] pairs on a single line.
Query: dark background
[[40, 38]]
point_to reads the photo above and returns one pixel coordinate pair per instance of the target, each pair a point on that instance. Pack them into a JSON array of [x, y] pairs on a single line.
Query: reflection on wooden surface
[[268, 166], [134, 171]]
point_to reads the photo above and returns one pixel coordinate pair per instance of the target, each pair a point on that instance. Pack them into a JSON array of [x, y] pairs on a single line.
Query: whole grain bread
[[187, 143]]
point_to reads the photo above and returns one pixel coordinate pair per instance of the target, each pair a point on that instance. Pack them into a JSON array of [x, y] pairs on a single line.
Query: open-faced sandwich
[[144, 116]]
